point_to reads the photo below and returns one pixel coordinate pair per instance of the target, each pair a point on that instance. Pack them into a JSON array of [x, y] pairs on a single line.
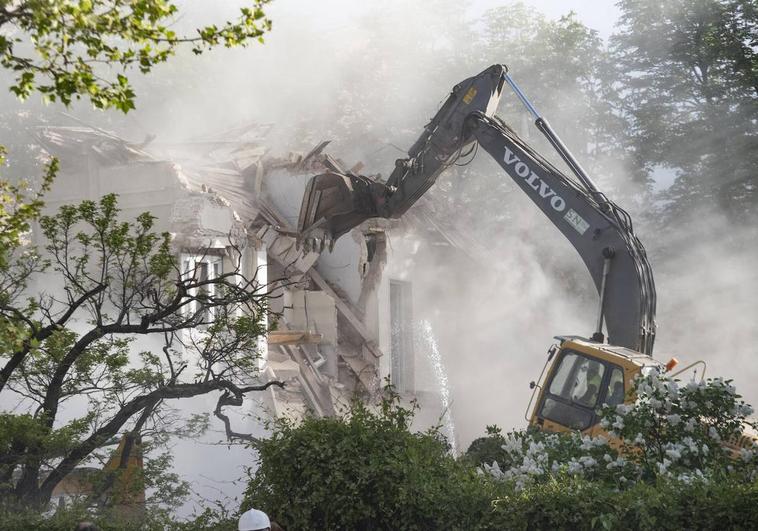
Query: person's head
[[618, 390], [254, 520]]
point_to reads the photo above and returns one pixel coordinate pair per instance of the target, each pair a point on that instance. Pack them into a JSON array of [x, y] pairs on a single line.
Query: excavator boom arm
[[599, 230], [595, 227]]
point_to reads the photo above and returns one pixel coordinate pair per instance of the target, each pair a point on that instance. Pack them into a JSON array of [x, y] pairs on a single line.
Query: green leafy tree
[[119, 280], [68, 50], [76, 343], [565, 68], [367, 470], [688, 70]]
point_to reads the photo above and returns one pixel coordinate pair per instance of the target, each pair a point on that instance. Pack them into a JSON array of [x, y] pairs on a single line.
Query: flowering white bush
[[532, 457], [685, 433]]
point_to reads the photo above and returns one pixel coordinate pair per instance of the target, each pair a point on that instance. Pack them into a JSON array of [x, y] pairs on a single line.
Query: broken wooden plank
[[293, 337], [364, 370], [347, 312], [316, 389], [321, 282]]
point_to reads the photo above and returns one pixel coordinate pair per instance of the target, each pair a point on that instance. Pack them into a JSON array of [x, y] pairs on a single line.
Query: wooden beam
[[321, 282], [347, 312], [293, 337]]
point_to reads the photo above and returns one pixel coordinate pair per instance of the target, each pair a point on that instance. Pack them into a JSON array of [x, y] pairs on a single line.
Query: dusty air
[[460, 265]]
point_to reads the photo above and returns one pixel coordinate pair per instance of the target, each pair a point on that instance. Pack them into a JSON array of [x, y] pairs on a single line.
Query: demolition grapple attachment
[[335, 202]]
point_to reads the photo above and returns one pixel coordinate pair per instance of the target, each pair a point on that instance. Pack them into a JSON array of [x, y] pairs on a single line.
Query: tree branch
[[228, 398], [109, 429]]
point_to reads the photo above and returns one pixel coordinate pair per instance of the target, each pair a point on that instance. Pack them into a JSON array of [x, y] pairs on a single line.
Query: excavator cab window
[[580, 383], [614, 394]]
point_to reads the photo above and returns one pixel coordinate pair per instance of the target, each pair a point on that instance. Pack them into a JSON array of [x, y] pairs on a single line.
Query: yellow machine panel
[[582, 377]]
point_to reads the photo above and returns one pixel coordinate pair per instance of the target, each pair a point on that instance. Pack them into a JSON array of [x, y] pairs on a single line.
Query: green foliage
[[18, 208], [66, 519], [86, 48], [581, 504], [486, 449], [688, 73], [119, 280], [364, 470], [686, 432]]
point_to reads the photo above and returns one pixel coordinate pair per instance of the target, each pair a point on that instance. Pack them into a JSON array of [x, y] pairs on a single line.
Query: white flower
[[713, 434], [512, 445], [690, 443], [689, 426], [587, 461], [639, 439], [574, 467], [618, 423], [623, 409], [674, 419], [674, 453], [493, 470], [663, 467]]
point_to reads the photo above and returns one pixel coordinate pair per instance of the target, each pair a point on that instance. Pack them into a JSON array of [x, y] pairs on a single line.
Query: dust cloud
[[369, 76]]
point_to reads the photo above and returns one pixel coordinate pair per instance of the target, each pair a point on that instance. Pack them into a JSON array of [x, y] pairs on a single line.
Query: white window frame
[[192, 265]]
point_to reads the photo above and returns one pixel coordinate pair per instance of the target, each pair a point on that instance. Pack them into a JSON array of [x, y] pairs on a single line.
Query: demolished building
[[344, 318]]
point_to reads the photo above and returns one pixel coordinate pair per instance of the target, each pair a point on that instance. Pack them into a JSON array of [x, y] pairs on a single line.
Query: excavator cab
[[579, 377]]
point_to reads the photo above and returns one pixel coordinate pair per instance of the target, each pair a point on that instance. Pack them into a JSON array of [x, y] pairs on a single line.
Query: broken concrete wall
[[203, 192]]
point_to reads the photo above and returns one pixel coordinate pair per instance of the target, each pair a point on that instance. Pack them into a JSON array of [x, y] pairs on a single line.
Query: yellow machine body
[[566, 400], [582, 376]]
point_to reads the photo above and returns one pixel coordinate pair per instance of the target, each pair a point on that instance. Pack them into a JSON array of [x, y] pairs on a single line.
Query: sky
[[599, 15]]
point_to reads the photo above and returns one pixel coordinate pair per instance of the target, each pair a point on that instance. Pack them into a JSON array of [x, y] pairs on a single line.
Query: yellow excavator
[[580, 373]]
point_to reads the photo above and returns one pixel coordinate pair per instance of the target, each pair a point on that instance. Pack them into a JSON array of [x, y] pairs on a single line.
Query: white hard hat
[[253, 520]]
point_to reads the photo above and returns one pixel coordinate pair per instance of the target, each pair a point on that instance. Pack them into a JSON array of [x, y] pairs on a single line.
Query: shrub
[[66, 519], [670, 431], [571, 503], [365, 470]]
